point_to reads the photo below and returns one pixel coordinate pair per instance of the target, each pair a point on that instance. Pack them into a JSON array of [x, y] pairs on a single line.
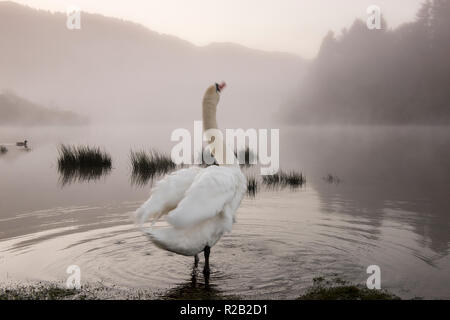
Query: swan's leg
[[194, 277], [196, 259], [206, 253]]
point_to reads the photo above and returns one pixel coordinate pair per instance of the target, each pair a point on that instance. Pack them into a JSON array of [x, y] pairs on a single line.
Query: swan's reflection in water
[[199, 287]]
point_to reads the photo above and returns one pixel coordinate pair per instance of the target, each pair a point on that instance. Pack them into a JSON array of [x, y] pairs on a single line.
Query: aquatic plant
[[82, 156], [246, 157], [293, 178], [329, 178], [147, 165], [252, 186], [281, 178], [70, 174], [82, 163]]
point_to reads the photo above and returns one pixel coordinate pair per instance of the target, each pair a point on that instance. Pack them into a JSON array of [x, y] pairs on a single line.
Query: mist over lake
[[88, 181], [381, 211]]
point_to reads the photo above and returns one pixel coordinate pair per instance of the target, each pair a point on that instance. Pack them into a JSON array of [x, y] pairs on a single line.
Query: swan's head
[[220, 87]]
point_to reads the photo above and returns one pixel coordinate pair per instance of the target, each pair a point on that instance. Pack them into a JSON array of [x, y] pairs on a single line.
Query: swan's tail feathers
[[158, 237], [166, 195], [150, 210], [173, 240]]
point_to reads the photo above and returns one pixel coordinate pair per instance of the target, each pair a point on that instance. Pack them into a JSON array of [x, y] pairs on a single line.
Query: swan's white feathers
[[211, 190], [199, 203], [166, 194], [204, 212]]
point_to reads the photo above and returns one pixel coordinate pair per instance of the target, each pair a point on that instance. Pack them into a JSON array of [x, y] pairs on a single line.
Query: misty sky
[[294, 26]]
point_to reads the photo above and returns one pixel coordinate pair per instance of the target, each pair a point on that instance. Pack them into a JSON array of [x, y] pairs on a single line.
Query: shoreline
[[322, 289]]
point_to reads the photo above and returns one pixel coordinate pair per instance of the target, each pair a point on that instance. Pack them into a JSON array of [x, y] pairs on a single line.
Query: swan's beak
[[220, 87]]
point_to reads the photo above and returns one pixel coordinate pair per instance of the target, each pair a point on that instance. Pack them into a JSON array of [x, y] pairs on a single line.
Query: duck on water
[[22, 144]]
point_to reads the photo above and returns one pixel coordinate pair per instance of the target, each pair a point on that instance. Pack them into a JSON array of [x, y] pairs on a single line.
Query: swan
[[198, 203]]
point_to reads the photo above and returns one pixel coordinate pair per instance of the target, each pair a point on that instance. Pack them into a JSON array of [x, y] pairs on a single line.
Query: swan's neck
[[210, 122], [209, 117]]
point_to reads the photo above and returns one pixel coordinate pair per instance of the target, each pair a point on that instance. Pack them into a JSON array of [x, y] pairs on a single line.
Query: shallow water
[[390, 208]]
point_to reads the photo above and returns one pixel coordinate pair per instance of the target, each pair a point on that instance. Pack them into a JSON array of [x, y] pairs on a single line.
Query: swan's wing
[[166, 194], [213, 191]]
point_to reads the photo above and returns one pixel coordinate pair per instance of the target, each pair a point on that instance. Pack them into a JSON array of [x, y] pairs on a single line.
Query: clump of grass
[[83, 156], [52, 291], [3, 149], [82, 163], [329, 178], [342, 290], [252, 186], [38, 292], [147, 165], [281, 178], [246, 157]]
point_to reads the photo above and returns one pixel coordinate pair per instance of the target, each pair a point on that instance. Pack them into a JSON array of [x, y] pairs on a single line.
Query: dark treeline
[[385, 76]]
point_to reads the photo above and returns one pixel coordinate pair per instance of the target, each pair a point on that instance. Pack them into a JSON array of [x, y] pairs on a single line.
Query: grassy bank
[[37, 292], [338, 289], [321, 289]]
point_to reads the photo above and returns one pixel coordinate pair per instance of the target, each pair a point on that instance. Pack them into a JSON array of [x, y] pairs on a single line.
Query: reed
[[82, 156], [281, 178], [330, 178], [146, 165], [252, 186], [82, 163], [70, 174], [246, 157]]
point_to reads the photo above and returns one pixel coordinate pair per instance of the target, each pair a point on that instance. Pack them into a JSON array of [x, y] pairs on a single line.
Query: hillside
[[385, 76], [114, 70], [17, 111]]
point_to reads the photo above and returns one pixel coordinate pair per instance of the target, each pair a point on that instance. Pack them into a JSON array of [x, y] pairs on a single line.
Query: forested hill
[[399, 76]]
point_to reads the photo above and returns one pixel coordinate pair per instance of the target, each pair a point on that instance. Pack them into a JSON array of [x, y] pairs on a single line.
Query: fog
[[295, 26], [370, 110], [386, 76], [117, 71], [114, 71]]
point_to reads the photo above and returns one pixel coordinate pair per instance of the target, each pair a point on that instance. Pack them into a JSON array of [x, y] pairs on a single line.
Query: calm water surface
[[390, 208]]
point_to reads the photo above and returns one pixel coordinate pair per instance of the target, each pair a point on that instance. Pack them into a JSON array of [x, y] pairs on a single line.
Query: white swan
[[198, 203]]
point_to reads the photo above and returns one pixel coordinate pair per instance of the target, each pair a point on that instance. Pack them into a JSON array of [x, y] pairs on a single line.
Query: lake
[[386, 203]]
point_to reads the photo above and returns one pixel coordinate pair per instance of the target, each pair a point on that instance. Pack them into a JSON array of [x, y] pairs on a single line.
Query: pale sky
[[295, 26]]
